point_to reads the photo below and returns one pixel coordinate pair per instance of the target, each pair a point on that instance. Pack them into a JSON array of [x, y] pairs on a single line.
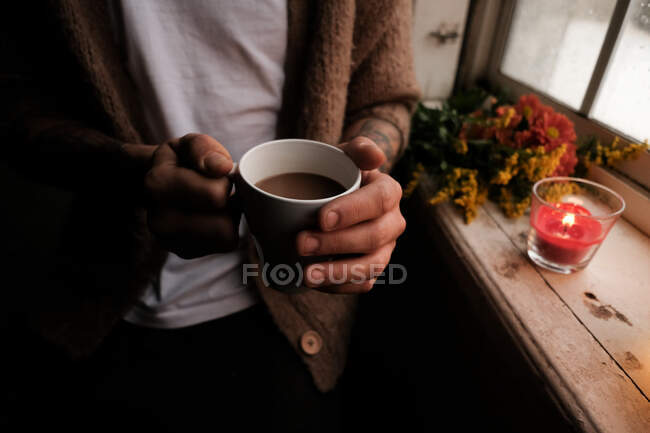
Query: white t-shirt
[[213, 67]]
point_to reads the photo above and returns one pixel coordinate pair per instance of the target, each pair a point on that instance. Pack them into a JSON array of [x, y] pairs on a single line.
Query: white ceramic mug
[[274, 221]]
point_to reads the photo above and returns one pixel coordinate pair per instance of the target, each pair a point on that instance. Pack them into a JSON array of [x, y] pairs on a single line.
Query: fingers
[[173, 186], [164, 156], [360, 238], [364, 152], [191, 235], [204, 154], [380, 195], [189, 210], [342, 272]]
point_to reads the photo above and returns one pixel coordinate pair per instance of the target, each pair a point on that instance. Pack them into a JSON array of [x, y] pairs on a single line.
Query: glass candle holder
[[569, 219]]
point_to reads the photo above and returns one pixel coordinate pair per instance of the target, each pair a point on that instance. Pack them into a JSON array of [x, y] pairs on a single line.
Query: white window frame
[[486, 37]]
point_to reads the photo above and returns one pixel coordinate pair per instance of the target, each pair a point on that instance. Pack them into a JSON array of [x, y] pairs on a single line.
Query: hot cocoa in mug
[[282, 185]]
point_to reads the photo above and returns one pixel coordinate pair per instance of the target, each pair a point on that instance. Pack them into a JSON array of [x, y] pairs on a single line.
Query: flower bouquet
[[477, 147]]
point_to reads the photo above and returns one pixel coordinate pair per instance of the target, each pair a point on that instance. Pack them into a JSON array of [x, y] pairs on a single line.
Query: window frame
[[491, 21]]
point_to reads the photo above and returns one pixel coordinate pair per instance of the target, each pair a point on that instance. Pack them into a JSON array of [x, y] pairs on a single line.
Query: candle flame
[[569, 219]]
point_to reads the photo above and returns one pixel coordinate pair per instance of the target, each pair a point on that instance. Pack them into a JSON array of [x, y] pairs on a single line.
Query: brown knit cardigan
[[345, 60]]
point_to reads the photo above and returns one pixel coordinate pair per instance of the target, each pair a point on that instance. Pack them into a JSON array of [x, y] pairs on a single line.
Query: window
[[553, 45], [589, 59], [589, 56], [592, 56], [624, 97]]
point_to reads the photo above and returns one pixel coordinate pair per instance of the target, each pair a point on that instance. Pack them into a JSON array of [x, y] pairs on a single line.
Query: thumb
[[203, 154], [364, 152]]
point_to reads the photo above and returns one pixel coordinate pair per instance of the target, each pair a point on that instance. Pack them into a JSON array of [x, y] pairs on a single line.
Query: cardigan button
[[311, 343]]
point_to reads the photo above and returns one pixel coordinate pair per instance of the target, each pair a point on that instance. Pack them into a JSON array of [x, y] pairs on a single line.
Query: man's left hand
[[366, 222]]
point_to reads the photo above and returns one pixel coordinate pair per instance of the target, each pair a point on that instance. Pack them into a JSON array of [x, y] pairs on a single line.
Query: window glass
[[553, 45], [623, 100]]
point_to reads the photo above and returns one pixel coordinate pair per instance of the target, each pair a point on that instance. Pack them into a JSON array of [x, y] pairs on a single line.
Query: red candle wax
[[565, 233]]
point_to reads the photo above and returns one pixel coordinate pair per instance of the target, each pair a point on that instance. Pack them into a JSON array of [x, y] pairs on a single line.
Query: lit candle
[[570, 218], [565, 232]]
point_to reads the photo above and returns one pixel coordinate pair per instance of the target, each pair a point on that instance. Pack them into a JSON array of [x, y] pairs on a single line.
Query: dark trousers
[[238, 373]]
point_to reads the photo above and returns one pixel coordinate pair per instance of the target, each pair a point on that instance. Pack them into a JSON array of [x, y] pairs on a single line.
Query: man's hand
[[188, 189], [367, 221]]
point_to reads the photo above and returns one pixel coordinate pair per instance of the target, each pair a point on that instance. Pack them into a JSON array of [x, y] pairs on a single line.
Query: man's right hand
[[189, 210]]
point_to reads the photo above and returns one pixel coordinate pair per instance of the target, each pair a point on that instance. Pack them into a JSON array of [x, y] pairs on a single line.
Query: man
[[140, 107]]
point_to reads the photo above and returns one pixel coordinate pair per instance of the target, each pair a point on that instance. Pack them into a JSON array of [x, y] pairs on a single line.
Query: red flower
[[504, 136], [524, 139], [504, 125], [530, 107], [508, 117], [552, 129], [545, 128], [472, 131]]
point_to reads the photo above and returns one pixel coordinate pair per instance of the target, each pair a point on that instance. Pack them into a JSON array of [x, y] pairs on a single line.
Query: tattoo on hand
[[386, 136]]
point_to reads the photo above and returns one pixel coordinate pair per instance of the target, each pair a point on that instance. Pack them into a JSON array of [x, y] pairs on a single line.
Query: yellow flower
[[504, 120], [502, 177], [512, 160], [536, 164], [461, 186], [617, 151], [460, 146], [510, 207], [620, 151], [414, 182], [542, 164], [555, 192], [509, 171], [440, 197]]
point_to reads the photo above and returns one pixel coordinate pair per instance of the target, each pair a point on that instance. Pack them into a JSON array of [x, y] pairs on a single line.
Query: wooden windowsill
[[586, 335]]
